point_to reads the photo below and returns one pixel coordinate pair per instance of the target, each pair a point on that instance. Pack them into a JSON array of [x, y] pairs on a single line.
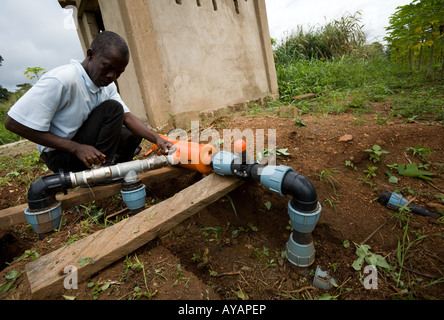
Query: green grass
[[354, 83], [353, 75], [419, 96], [21, 169], [320, 76]]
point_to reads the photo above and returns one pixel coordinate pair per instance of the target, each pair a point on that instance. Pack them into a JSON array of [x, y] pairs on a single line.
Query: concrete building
[[187, 56]]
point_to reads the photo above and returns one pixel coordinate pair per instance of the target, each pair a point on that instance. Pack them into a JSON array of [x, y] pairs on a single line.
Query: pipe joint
[[222, 163], [101, 174], [305, 197], [301, 255], [42, 201], [300, 249], [272, 177], [303, 222], [41, 194], [284, 181]]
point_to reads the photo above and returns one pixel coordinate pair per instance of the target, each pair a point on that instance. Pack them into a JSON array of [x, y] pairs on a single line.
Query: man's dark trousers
[[103, 130]]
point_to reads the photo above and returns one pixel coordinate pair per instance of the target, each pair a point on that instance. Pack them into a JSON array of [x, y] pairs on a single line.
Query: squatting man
[[76, 116]]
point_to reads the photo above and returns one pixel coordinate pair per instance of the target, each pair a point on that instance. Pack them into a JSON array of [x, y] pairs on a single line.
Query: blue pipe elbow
[[280, 179]]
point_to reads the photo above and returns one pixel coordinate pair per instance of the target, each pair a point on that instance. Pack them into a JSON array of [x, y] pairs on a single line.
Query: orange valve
[[240, 146], [191, 155]]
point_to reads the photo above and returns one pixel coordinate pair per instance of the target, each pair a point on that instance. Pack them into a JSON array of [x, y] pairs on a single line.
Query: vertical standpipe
[[304, 209]]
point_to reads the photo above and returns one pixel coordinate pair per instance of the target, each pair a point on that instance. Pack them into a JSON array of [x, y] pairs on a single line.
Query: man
[[76, 116]]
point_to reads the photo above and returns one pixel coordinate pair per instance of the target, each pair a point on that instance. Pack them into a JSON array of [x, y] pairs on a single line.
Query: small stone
[[346, 137]]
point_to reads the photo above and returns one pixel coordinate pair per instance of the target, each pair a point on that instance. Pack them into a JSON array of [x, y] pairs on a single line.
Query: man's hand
[[89, 155], [136, 126], [165, 146]]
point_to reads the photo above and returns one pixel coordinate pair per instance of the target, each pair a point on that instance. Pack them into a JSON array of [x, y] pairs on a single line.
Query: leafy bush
[[335, 39]]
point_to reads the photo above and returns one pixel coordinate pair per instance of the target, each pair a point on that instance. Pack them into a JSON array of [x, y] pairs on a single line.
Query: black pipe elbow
[[41, 194], [305, 197]]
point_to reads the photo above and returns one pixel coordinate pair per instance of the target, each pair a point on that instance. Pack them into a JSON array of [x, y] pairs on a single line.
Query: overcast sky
[[39, 33]]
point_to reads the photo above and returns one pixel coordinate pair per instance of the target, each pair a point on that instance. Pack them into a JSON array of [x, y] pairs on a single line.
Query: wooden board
[[46, 274], [12, 216], [304, 96], [16, 215]]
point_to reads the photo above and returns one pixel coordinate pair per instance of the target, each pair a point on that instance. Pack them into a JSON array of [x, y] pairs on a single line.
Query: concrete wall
[[210, 58], [128, 83], [187, 57]]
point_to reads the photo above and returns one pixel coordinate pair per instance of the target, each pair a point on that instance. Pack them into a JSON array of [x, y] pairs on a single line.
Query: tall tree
[[417, 29]]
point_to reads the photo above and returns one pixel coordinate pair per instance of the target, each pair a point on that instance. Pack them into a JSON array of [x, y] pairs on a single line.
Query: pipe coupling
[[101, 174], [272, 177], [222, 163], [304, 222]]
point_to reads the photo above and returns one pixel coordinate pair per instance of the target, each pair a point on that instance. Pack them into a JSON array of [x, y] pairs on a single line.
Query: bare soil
[[222, 254]]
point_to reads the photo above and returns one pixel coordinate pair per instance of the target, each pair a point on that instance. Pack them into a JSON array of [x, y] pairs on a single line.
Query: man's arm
[[87, 154], [136, 126]]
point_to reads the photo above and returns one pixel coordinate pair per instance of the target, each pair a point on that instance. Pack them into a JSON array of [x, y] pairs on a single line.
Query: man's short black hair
[[108, 39]]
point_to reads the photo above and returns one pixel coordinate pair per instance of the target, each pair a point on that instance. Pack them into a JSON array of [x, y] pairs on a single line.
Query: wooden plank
[[13, 216], [304, 96], [46, 274]]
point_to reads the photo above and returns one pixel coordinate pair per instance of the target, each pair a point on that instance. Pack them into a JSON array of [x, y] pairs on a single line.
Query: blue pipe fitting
[[304, 209], [396, 201], [134, 199], [301, 255], [45, 221], [222, 163], [273, 176], [304, 222]]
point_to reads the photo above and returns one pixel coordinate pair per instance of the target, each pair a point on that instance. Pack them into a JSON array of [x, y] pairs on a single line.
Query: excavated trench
[[11, 247]]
